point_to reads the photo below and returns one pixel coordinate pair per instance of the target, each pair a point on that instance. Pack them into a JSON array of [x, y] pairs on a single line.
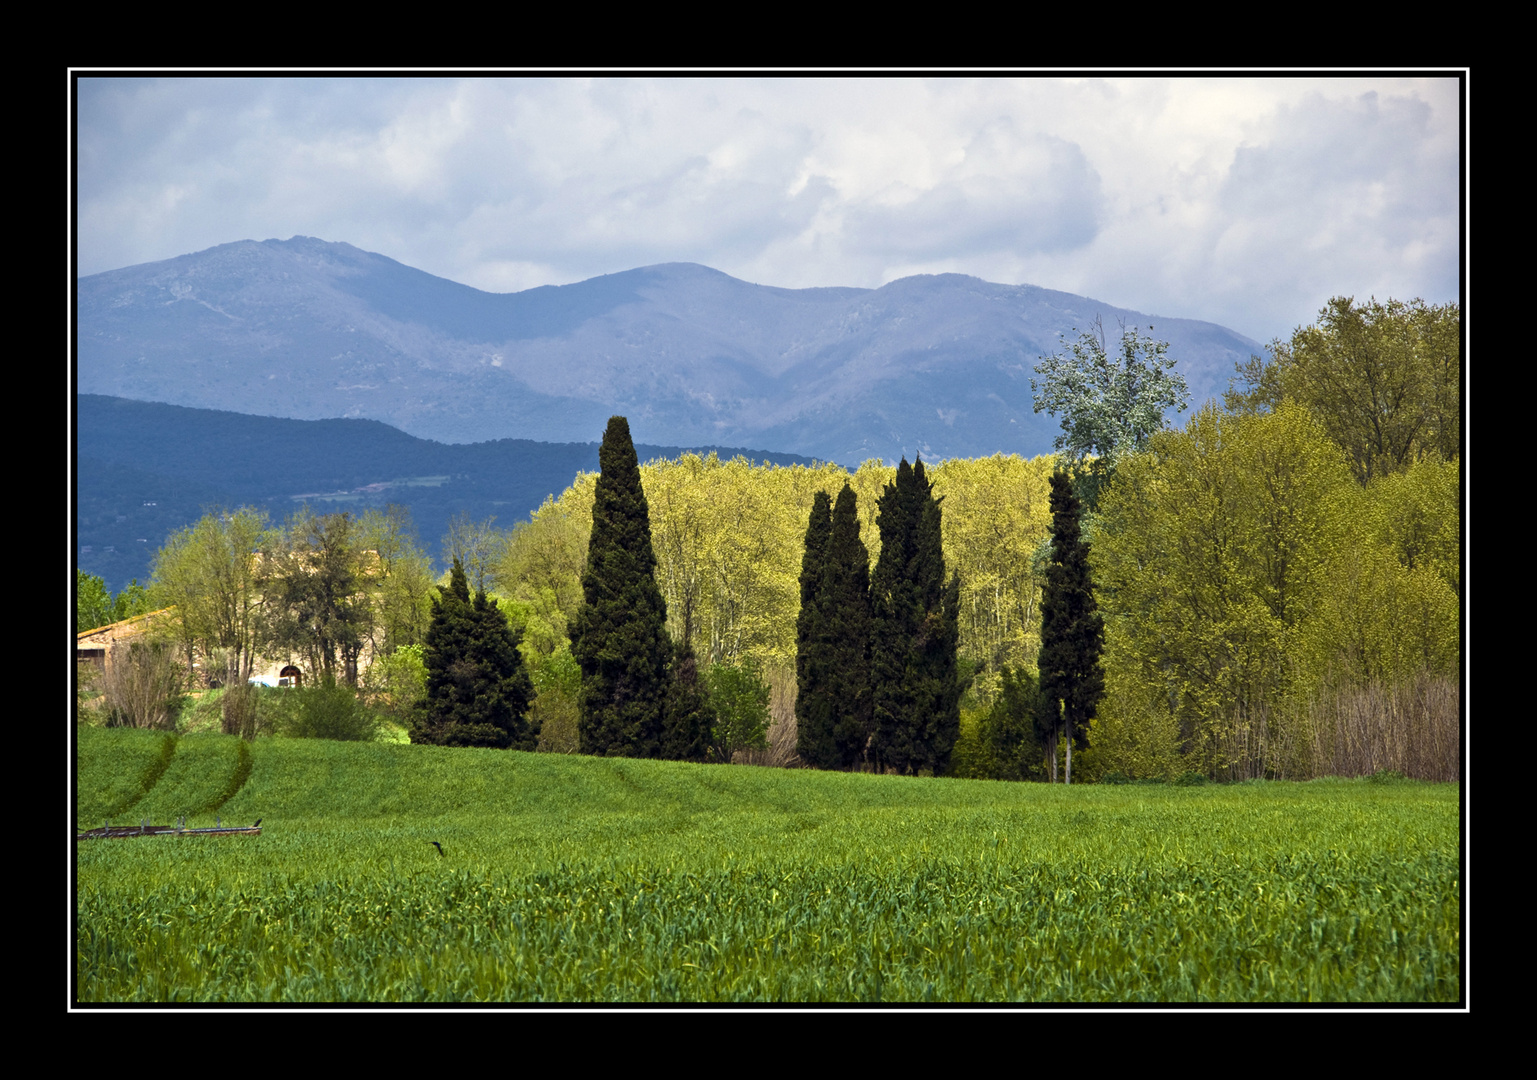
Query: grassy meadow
[[572, 879]]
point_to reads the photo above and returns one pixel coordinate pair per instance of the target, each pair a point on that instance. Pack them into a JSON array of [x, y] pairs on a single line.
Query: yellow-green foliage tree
[[1244, 573], [997, 512], [729, 537], [1384, 380]]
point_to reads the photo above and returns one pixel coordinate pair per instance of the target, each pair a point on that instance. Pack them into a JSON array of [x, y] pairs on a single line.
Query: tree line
[[1266, 576]]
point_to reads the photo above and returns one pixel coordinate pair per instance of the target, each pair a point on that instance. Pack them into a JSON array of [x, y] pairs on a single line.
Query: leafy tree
[[135, 599], [1072, 631], [478, 690], [397, 682], [619, 636], [740, 701], [316, 593], [1011, 744], [93, 603], [914, 632], [208, 572], [1109, 405], [1383, 379], [95, 606], [398, 574], [477, 546], [542, 561], [1241, 566]]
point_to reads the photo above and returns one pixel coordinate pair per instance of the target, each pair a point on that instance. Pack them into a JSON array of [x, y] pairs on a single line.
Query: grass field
[[570, 879]]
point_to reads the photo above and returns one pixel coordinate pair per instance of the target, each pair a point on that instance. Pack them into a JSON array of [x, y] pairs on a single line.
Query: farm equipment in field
[[144, 828]]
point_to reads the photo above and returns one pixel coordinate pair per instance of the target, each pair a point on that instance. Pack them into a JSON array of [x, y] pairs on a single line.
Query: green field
[[571, 879]]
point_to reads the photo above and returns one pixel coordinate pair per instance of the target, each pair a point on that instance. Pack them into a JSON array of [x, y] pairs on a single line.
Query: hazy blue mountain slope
[[145, 469], [308, 329]]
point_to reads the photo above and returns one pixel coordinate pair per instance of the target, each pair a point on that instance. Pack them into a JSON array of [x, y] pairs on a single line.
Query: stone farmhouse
[[101, 646]]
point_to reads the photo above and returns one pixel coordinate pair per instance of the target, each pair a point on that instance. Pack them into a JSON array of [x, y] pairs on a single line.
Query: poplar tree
[[1072, 631], [914, 631], [478, 689], [619, 636]]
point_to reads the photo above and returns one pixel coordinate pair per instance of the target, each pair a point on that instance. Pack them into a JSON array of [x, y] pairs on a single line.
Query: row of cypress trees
[[876, 667], [876, 671]]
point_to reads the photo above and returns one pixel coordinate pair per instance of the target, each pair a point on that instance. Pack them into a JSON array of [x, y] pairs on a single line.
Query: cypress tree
[[619, 636], [914, 631], [845, 631], [478, 688], [813, 714], [1009, 729], [833, 699], [1072, 631], [689, 716]]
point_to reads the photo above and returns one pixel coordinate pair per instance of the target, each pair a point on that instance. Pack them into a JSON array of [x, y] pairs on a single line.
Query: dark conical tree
[[1072, 631], [914, 632], [619, 636], [478, 688], [688, 715], [1009, 729], [845, 631], [813, 707], [833, 698]]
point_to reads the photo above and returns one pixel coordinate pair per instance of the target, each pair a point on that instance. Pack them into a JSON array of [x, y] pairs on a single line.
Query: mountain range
[[309, 329]]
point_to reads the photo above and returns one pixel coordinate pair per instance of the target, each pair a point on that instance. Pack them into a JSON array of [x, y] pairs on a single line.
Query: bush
[[557, 687], [328, 710], [143, 686], [741, 702], [90, 705], [1190, 779], [395, 684]]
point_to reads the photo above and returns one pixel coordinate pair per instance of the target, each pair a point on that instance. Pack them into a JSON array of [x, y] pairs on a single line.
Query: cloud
[[1244, 201]]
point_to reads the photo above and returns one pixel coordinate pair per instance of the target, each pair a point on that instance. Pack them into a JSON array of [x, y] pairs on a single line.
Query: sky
[[1247, 202]]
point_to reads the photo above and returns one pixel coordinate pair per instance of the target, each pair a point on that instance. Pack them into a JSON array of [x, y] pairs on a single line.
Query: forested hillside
[[145, 469]]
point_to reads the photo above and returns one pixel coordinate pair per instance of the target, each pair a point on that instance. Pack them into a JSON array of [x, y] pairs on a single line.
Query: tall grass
[[597, 879]]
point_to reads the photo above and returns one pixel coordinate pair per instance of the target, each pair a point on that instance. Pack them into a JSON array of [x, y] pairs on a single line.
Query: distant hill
[[306, 329], [146, 469]]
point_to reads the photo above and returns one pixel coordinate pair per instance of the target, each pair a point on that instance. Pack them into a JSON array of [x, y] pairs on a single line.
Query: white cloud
[[1244, 201]]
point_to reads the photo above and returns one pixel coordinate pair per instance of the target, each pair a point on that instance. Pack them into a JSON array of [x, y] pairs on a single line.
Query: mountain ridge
[[310, 329]]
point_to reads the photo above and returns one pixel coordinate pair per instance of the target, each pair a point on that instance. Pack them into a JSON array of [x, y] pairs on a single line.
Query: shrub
[[89, 702], [143, 686], [327, 710], [741, 702], [557, 686], [1190, 778], [395, 684]]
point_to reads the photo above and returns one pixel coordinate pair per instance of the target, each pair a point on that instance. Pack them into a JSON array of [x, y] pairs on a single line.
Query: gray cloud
[[1246, 202]]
